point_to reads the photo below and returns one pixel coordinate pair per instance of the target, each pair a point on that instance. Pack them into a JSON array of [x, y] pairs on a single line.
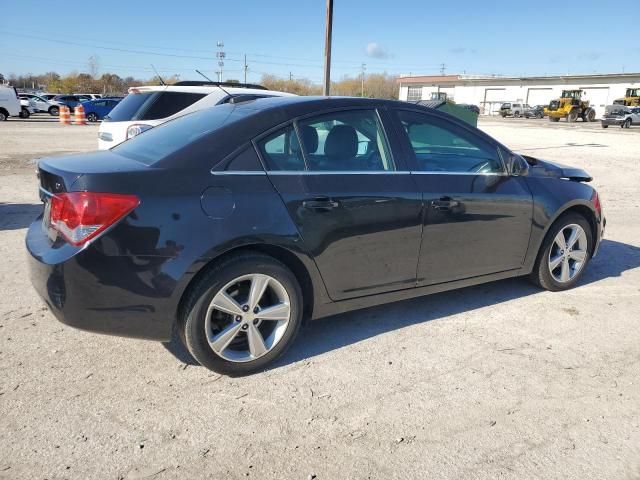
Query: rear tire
[[542, 274], [627, 123], [92, 117], [3, 115], [572, 117], [202, 324], [605, 126]]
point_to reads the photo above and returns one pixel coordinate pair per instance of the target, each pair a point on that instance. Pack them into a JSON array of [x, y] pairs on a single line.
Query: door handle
[[320, 203], [444, 203]]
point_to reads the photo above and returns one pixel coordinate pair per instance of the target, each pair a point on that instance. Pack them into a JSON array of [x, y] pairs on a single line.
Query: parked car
[[49, 96], [232, 224], [40, 104], [26, 108], [97, 109], [513, 109], [89, 96], [70, 101], [535, 112], [9, 102], [620, 115], [146, 107]]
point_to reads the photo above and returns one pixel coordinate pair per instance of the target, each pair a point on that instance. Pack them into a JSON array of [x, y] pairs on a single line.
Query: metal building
[[489, 93]]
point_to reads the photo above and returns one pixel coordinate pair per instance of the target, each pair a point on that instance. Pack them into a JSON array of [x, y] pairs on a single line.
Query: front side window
[[414, 94], [440, 146], [345, 141]]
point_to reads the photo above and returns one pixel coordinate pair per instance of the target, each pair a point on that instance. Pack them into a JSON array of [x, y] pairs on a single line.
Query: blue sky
[[283, 36]]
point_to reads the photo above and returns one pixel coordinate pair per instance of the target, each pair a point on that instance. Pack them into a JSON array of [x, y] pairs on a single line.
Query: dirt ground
[[496, 381]]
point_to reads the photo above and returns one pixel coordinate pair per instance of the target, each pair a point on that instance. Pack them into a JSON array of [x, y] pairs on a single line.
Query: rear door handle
[[320, 203], [444, 203]]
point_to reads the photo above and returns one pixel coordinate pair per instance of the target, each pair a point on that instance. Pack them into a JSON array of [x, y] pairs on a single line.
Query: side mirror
[[517, 166]]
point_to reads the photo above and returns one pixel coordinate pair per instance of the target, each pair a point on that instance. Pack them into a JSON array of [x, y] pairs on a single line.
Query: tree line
[[375, 85]]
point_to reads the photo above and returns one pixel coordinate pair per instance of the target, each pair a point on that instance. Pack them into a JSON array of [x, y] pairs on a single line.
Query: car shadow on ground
[[14, 216], [338, 331]]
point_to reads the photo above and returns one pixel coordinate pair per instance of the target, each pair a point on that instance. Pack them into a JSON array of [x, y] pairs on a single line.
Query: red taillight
[[80, 216], [595, 199]]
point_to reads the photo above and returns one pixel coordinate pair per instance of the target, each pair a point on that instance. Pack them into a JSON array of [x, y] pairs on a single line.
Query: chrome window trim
[[337, 172], [357, 172], [238, 172]]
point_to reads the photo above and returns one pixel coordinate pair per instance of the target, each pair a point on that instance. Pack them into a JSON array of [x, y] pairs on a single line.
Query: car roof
[[206, 89], [294, 106]]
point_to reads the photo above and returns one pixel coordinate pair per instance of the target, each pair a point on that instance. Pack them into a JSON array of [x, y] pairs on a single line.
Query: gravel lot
[[496, 381]]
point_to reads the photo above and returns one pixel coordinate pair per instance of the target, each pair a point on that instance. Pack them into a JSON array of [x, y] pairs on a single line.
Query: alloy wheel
[[247, 318], [568, 253]]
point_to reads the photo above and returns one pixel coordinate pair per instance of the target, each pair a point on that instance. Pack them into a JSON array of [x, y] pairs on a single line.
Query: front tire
[[605, 126], [54, 111], [627, 123], [242, 314], [24, 113], [564, 254]]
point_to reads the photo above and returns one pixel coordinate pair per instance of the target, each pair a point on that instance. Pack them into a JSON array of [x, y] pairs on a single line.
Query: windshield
[[571, 94], [633, 92], [159, 142]]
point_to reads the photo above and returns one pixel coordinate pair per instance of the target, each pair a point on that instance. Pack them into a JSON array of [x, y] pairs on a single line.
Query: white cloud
[[375, 50]]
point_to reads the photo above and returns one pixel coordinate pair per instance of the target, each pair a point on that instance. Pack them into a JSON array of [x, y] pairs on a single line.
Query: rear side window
[[345, 141], [168, 103], [130, 105], [281, 150]]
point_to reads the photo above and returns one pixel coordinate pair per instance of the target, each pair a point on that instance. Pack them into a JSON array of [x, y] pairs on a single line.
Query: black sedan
[[235, 223]]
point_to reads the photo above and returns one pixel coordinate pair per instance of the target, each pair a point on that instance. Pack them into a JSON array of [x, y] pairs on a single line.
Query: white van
[[146, 107], [9, 102]]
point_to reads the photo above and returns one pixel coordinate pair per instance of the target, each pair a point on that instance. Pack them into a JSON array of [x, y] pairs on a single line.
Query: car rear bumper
[[88, 290]]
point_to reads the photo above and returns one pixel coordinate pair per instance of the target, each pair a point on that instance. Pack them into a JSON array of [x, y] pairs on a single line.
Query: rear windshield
[[159, 142], [152, 105]]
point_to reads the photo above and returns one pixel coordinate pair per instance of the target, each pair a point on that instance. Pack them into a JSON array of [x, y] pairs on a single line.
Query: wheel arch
[[285, 256], [581, 208]]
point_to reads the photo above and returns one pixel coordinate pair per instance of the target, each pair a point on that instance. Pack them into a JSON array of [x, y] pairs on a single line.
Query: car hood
[[545, 168]]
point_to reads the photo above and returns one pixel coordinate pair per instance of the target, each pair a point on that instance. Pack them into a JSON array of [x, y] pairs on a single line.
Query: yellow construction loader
[[631, 98], [570, 106]]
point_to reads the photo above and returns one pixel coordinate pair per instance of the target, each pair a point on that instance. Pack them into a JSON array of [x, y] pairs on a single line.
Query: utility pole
[[221, 56], [442, 69], [290, 76], [364, 67], [246, 67], [327, 49]]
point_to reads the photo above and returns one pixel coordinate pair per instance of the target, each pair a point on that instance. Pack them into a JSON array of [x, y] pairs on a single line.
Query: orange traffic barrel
[[80, 119], [64, 115]]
